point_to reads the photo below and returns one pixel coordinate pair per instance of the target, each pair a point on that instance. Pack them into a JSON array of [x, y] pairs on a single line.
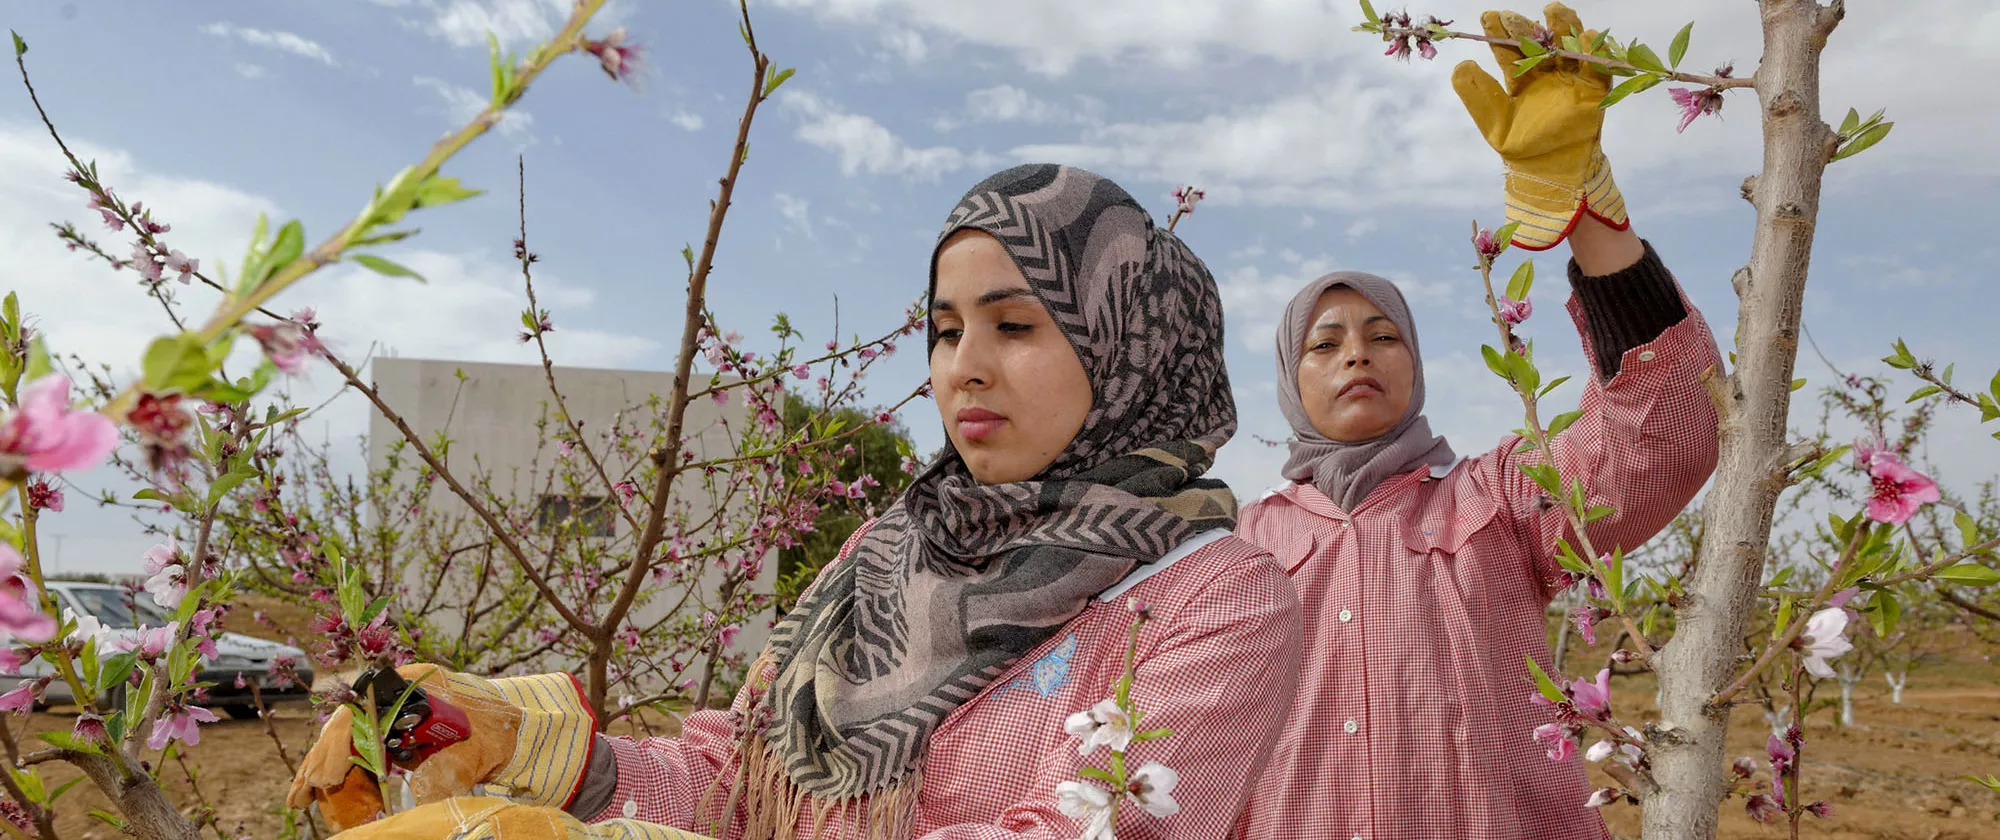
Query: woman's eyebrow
[[1327, 325], [988, 299]]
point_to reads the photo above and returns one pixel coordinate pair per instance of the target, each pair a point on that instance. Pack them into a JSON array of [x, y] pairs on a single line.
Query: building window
[[588, 516]]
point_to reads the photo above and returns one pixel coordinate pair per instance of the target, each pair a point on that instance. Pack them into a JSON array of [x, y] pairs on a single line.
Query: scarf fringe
[[771, 806]]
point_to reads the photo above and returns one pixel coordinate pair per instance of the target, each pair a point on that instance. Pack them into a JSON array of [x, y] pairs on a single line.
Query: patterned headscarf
[[1346, 472], [958, 579]]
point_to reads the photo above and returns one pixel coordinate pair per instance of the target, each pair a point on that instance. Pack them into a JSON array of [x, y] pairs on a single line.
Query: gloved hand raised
[[1546, 125]]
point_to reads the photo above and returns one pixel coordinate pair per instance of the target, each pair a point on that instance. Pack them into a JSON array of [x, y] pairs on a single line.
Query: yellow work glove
[[530, 739], [1546, 125], [489, 818]]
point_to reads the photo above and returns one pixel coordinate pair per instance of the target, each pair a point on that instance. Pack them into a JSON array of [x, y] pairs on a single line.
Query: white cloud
[[250, 71], [795, 211], [866, 146], [1006, 103], [514, 23], [268, 39], [461, 104], [906, 44], [687, 120]]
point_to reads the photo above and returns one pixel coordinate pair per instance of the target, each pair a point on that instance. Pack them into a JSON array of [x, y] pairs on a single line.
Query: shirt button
[[1346, 616], [1351, 726], [1359, 837], [631, 808], [1344, 523], [1646, 355]]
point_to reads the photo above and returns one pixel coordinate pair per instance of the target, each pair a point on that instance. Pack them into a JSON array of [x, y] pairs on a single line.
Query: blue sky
[[1317, 154]]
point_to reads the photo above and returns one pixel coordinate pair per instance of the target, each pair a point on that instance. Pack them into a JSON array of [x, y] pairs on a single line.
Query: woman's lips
[[1361, 387], [978, 423]]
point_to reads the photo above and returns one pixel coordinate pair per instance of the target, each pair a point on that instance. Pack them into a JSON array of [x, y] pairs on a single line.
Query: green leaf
[[1946, 378], [226, 483], [1798, 383], [687, 253], [1598, 512], [20, 46], [1505, 235], [499, 71], [1563, 421], [1152, 735], [1643, 57], [108, 818], [1098, 774], [1628, 87], [1524, 373], [385, 267], [1494, 362], [1522, 66], [1923, 392], [1863, 141], [1522, 281], [175, 359], [1551, 386], [1883, 613], [30, 783], [374, 609], [1367, 11], [115, 670], [1531, 48], [1614, 571], [1784, 619], [1679, 47], [1901, 360], [1969, 574], [1968, 528], [438, 190], [384, 238], [291, 242], [1544, 476], [1550, 691], [1852, 122], [64, 788], [777, 79], [67, 741], [1783, 577]]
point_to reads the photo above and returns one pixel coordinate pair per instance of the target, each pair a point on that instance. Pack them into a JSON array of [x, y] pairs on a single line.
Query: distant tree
[[875, 463]]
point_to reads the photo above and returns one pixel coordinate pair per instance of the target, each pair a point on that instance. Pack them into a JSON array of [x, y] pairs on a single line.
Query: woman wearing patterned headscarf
[[919, 690], [1425, 579]]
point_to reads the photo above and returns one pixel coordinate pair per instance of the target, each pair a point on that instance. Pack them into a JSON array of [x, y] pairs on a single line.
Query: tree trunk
[[1896, 683], [1688, 746], [148, 813], [1847, 682]]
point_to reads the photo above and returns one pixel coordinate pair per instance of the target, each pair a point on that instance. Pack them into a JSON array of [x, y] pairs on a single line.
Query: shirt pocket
[[1445, 521]]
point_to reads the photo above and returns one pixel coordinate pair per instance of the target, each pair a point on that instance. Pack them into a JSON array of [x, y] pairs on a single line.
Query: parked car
[[236, 654]]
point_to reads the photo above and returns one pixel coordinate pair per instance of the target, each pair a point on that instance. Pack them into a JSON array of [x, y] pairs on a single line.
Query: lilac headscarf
[[1346, 472]]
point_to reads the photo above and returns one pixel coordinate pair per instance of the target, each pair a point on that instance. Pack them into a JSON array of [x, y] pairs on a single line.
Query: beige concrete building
[[492, 413]]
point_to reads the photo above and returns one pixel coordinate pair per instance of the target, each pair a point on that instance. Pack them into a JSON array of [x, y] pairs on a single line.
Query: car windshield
[[114, 609]]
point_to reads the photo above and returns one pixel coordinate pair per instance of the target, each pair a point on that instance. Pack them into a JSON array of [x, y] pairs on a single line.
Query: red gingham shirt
[[1216, 665], [1413, 719]]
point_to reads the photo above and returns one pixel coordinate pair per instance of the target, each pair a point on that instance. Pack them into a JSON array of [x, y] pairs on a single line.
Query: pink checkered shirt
[[1413, 719], [1217, 665]]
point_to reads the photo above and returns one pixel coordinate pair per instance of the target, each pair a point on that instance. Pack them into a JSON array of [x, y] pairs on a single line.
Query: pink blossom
[[1820, 809], [21, 700], [1762, 808], [1601, 797], [1694, 103], [728, 635], [720, 397], [1515, 311], [1186, 197], [18, 613], [1841, 598], [11, 661], [1781, 754], [179, 724], [802, 371], [626, 490], [182, 264], [1865, 449], [1585, 618], [621, 61], [1484, 243], [1555, 737], [90, 729], [868, 353], [286, 344], [1592, 699], [1898, 490], [150, 643], [44, 435], [45, 496]]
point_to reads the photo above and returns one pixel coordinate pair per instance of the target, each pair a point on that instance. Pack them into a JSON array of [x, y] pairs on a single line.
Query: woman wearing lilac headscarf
[[1424, 578]]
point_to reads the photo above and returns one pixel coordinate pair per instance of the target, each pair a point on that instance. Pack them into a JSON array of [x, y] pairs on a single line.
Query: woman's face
[[1356, 372], [1010, 388]]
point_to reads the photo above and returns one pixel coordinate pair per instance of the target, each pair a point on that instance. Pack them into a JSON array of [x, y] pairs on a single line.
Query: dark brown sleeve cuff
[[1627, 308]]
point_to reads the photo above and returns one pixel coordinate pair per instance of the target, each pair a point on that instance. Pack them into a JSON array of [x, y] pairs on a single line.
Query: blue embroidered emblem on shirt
[[1050, 673]]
